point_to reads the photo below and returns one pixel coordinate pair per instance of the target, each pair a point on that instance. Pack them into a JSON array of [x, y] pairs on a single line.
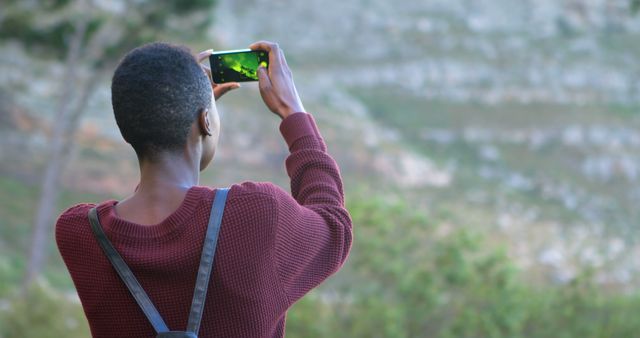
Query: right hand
[[276, 83]]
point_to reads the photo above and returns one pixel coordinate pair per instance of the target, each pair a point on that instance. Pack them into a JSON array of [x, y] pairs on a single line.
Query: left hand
[[218, 89]]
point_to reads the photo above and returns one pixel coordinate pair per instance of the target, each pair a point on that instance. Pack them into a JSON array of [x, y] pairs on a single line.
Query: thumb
[[264, 82], [204, 55], [222, 89]]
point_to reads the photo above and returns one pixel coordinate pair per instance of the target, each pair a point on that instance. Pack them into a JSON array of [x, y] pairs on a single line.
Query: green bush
[[43, 313], [408, 277]]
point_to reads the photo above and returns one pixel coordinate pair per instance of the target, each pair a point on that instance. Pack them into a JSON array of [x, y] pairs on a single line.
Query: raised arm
[[314, 233]]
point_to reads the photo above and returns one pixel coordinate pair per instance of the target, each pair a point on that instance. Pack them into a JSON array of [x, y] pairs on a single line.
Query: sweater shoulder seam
[[276, 264]]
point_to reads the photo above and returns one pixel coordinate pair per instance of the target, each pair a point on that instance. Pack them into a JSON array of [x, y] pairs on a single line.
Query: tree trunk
[[50, 180], [76, 115], [63, 134]]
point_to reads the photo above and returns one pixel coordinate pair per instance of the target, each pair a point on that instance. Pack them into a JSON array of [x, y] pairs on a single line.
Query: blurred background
[[490, 151]]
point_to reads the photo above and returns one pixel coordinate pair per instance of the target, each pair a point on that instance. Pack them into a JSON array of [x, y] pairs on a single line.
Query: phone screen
[[237, 65]]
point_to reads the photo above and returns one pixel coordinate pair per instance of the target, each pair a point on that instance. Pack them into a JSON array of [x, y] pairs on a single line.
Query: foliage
[[635, 6], [146, 21], [16, 212], [408, 277], [44, 313]]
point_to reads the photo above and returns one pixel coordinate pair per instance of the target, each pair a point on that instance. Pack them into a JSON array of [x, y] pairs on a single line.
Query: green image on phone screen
[[237, 66]]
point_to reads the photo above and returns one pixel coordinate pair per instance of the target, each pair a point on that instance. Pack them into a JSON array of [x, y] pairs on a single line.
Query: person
[[273, 247]]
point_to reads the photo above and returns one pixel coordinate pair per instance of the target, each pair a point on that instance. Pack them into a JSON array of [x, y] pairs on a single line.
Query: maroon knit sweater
[[273, 248]]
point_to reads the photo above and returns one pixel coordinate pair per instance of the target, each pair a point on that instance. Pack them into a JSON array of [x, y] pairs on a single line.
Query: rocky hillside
[[517, 118], [522, 117]]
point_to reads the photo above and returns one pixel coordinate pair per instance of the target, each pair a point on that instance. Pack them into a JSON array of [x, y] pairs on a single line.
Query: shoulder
[[256, 189], [73, 214], [261, 192], [257, 200], [76, 211], [72, 223], [240, 193]]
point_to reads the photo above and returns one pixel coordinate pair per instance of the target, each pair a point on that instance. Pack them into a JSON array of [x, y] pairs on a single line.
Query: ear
[[203, 122]]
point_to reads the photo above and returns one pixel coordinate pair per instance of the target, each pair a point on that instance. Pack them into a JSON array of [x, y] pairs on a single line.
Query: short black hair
[[157, 91]]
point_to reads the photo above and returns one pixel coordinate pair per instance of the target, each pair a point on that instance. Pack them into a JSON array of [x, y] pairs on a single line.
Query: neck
[[168, 172], [164, 182]]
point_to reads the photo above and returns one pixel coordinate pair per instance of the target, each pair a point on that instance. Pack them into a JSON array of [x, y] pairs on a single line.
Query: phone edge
[[233, 51]]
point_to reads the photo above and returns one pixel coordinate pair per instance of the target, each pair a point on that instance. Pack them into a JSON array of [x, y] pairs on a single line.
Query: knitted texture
[[272, 249]]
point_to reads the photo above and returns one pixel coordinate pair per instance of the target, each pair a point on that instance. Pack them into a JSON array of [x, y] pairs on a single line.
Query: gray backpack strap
[[126, 275], [202, 280], [206, 260]]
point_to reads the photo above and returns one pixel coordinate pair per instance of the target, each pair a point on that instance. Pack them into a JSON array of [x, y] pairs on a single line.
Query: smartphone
[[237, 65]]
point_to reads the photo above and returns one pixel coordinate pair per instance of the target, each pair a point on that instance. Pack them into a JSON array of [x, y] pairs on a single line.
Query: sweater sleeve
[[314, 232]]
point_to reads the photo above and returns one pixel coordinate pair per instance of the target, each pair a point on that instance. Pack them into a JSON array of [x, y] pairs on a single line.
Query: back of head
[[157, 92]]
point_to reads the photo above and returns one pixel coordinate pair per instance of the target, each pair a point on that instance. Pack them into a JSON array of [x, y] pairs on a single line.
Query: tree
[[90, 35]]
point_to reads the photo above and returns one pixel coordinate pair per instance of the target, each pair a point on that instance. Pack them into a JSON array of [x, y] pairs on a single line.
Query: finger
[[270, 47], [266, 46], [283, 61], [204, 55], [207, 71], [281, 68], [224, 88], [264, 83]]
